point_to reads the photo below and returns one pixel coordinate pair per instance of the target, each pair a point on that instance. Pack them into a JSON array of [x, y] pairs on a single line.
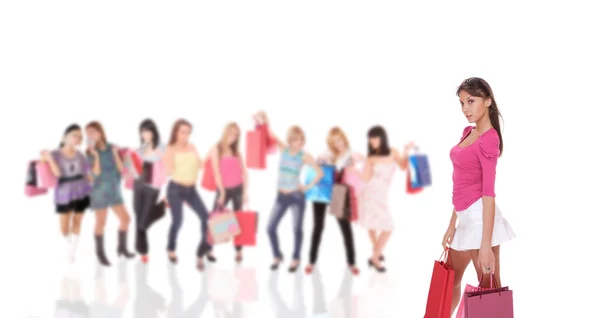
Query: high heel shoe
[[381, 258], [100, 250], [239, 258], [172, 259], [380, 269], [200, 265], [275, 264], [292, 269], [122, 246], [308, 270], [144, 259], [211, 258], [354, 270]]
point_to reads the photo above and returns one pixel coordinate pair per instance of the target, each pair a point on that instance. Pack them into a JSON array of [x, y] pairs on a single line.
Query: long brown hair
[[234, 147], [97, 126], [478, 87], [175, 130], [333, 133]]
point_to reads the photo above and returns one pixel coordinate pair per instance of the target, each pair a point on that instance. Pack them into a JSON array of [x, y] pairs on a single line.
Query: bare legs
[[460, 260], [379, 242], [124, 221]]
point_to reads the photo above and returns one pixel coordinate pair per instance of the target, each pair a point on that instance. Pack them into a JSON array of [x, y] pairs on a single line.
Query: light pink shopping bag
[[45, 178]]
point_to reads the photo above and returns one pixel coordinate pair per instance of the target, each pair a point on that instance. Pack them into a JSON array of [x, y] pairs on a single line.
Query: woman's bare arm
[[214, 165], [308, 159], [47, 157]]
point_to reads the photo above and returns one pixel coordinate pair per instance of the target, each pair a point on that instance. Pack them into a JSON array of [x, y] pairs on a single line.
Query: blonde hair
[[333, 133], [295, 132], [235, 145]]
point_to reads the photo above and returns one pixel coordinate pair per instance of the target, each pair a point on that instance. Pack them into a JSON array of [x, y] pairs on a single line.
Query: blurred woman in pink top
[[230, 174], [481, 227]]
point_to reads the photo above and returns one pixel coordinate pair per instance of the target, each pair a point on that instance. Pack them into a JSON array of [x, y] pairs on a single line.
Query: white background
[[316, 64]]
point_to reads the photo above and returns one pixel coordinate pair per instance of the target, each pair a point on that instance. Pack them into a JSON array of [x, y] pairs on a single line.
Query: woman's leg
[[298, 207], [64, 221], [99, 236], [318, 226], [124, 221], [373, 237], [379, 245], [236, 195], [198, 206], [346, 228], [458, 261], [75, 230], [277, 213], [485, 281], [176, 207]]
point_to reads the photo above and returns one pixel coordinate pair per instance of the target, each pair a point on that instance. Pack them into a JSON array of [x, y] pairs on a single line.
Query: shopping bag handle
[[493, 282], [445, 257]]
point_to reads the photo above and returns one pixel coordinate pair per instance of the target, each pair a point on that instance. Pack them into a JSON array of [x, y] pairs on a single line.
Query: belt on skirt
[[76, 177]]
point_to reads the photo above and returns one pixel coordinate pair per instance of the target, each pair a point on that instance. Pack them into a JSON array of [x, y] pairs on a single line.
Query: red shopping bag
[[439, 300], [208, 177], [495, 302], [409, 188], [270, 143], [248, 222], [256, 155]]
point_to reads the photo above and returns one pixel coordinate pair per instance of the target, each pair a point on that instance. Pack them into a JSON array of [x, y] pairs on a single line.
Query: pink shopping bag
[[45, 177], [159, 175], [223, 226], [495, 302]]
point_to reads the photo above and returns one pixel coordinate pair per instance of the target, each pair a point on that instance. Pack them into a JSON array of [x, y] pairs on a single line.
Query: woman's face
[[183, 134], [375, 142], [296, 143], [93, 135], [339, 144], [146, 136], [74, 138], [233, 134], [473, 107]]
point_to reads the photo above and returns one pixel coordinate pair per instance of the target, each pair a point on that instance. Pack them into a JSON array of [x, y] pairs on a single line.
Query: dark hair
[[478, 87], [149, 125], [175, 130], [384, 147], [71, 128]]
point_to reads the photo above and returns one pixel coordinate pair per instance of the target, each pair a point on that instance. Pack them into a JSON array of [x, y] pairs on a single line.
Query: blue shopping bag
[[321, 192], [419, 171]]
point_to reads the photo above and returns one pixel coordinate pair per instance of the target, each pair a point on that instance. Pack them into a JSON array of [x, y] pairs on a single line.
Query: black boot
[[122, 246], [100, 250]]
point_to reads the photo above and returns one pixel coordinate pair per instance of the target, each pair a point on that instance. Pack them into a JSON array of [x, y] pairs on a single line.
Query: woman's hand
[[221, 198], [245, 198], [448, 237], [93, 151], [487, 259], [45, 155]]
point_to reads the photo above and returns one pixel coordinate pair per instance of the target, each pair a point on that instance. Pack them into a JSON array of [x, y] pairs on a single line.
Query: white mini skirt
[[469, 231]]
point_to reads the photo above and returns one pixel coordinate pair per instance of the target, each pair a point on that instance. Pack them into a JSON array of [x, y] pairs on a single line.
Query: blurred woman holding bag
[[106, 169], [182, 164], [145, 195], [481, 227], [72, 193], [378, 172], [290, 191], [339, 155], [230, 174]]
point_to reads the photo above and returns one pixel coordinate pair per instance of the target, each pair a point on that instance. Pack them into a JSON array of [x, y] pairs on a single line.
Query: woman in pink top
[[230, 175], [481, 227]]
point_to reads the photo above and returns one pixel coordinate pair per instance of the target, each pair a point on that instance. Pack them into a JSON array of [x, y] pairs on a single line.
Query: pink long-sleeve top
[[474, 168]]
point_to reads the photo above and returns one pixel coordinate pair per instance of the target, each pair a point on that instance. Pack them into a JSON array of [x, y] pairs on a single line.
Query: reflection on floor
[[226, 291]]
